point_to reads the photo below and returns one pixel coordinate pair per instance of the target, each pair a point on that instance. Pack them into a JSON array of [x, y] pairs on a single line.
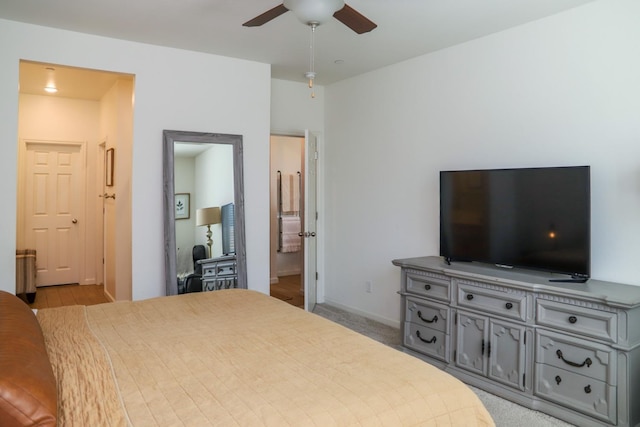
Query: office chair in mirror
[[193, 282]]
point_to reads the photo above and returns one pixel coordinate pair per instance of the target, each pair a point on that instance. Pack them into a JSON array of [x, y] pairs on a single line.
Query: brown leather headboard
[[28, 394]]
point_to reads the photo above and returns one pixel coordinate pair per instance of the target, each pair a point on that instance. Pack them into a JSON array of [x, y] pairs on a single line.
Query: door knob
[[307, 234], [74, 220]]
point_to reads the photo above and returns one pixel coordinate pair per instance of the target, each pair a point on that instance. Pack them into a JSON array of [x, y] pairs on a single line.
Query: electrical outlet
[[367, 286]]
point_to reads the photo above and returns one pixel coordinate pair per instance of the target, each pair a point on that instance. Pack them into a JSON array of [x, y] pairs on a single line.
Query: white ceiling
[[406, 28]]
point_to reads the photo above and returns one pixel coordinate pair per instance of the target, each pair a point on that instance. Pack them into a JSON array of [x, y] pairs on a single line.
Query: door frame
[[21, 201], [100, 214], [310, 222], [320, 260], [320, 224]]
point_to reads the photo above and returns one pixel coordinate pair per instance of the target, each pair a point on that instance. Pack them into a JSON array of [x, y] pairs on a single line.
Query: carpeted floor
[[504, 413]]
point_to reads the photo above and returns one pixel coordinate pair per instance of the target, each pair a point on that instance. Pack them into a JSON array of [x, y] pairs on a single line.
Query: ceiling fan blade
[[266, 17], [354, 20]]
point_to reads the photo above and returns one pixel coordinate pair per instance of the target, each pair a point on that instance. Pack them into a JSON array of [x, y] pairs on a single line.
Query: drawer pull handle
[[469, 297], [434, 320], [573, 319], [586, 362], [587, 389], [509, 306], [558, 379], [427, 287], [488, 348], [431, 341]]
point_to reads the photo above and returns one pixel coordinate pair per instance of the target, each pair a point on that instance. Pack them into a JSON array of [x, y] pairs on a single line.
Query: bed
[[225, 358]]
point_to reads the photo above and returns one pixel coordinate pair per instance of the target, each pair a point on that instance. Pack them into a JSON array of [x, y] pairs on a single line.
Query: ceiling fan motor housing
[[314, 11]]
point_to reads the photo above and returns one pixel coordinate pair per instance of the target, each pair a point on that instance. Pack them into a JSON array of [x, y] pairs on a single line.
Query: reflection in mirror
[[204, 211]]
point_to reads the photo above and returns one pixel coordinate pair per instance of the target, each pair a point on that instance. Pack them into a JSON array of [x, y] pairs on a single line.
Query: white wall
[[184, 171], [563, 90], [293, 110], [174, 89], [116, 130]]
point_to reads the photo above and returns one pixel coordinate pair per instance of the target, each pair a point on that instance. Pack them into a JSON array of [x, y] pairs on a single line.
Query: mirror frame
[[169, 138]]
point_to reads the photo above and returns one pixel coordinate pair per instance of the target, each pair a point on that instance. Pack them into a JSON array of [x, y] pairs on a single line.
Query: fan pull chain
[[311, 74]]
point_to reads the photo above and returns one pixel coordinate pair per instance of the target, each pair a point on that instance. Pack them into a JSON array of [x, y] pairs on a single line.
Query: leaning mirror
[[203, 212]]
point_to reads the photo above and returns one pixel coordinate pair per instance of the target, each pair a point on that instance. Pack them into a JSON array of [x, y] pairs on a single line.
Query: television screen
[[228, 219], [536, 218]]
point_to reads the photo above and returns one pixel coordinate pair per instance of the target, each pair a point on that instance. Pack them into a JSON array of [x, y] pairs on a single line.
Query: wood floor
[[287, 289], [62, 295]]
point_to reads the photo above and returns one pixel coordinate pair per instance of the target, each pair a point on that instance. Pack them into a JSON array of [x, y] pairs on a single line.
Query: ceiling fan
[[316, 12]]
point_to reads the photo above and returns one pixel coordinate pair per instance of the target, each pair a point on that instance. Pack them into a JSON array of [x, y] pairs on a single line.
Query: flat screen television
[[228, 220], [535, 218]]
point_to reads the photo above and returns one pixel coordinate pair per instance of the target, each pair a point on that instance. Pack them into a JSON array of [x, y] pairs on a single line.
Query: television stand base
[[526, 320]]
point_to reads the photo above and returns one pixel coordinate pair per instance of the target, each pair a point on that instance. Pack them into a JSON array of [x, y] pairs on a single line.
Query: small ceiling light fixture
[[51, 85]]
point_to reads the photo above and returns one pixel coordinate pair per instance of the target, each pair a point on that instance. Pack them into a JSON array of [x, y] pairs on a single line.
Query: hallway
[[288, 290], [63, 295]]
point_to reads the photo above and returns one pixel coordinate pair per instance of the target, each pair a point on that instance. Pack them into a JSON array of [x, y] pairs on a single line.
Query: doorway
[[67, 117], [287, 203]]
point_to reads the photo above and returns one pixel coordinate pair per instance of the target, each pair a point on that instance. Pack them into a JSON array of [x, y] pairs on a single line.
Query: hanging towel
[[290, 193], [291, 242]]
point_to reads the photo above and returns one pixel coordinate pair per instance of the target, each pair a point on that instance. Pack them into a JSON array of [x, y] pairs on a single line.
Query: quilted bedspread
[[238, 358]]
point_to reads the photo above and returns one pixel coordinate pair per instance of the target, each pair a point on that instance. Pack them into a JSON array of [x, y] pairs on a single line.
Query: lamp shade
[[314, 11], [207, 216]]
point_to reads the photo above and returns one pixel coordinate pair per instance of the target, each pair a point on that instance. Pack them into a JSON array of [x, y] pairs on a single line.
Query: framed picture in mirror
[[182, 206]]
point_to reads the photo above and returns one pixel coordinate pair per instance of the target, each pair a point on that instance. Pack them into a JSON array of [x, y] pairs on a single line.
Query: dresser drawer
[[592, 397], [426, 340], [430, 285], [427, 314], [219, 283], [576, 355], [578, 320], [495, 300], [220, 269]]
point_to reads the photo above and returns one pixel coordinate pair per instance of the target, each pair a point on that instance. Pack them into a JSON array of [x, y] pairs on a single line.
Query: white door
[[310, 219], [99, 212], [53, 209]]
